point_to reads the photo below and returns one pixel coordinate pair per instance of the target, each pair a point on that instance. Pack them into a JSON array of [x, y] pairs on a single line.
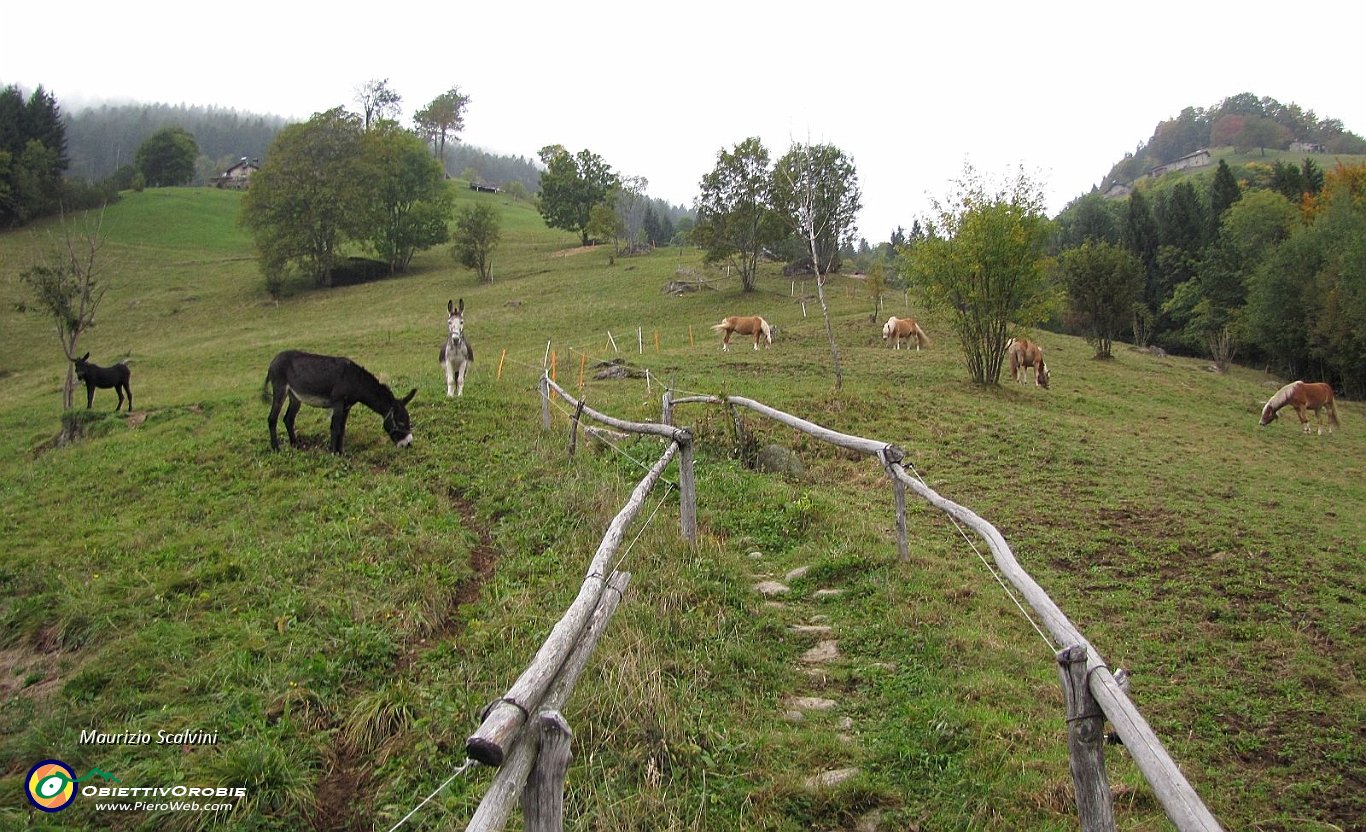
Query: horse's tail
[[920, 337], [1333, 410], [767, 330], [719, 327]]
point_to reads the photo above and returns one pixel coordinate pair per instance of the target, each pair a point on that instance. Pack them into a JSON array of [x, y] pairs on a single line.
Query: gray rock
[[775, 459]]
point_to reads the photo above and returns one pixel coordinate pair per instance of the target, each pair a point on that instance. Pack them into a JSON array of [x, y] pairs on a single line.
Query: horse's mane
[[1277, 401]]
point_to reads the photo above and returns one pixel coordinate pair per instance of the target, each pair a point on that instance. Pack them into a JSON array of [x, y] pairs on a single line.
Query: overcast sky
[[909, 91]]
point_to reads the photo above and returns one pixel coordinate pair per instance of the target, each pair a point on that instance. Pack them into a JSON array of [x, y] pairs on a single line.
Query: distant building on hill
[[482, 188], [1198, 159], [238, 176], [1306, 147]]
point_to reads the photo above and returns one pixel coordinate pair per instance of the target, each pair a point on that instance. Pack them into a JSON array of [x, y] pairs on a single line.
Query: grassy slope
[[340, 622]]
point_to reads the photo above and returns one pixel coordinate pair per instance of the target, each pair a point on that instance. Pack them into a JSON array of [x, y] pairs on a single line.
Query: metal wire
[[468, 762]]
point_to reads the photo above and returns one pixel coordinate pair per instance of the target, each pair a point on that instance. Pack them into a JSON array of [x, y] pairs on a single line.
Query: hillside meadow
[[340, 622]]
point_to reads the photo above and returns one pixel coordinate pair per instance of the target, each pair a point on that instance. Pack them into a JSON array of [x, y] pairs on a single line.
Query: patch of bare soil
[[570, 252], [345, 795], [29, 672], [342, 792]]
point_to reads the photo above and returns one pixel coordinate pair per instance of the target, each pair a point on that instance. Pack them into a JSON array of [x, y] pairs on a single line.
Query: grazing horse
[[899, 328], [1304, 395], [336, 383], [456, 354], [104, 377], [1023, 355], [745, 325]]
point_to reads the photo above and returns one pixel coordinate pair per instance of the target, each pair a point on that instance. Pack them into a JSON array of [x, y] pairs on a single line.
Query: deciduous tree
[[378, 102], [313, 193], [815, 187], [1103, 281], [985, 265], [630, 201], [442, 119], [476, 236], [412, 199], [571, 186], [69, 285], [167, 158], [736, 219]]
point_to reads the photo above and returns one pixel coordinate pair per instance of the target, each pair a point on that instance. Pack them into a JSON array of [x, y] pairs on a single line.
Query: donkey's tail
[[265, 385]]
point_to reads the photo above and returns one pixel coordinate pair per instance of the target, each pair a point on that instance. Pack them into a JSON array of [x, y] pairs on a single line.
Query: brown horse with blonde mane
[[1304, 395], [745, 325], [1024, 354], [898, 329]]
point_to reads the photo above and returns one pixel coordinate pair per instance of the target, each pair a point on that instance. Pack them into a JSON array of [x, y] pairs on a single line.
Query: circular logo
[[51, 785]]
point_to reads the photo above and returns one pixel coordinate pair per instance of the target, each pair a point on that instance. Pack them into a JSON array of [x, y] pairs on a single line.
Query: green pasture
[[340, 622]]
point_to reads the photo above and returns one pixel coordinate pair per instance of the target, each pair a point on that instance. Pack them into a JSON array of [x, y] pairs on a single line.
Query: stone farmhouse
[[238, 176]]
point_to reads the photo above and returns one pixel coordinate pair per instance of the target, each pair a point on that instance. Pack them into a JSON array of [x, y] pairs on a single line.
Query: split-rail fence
[[1091, 692]]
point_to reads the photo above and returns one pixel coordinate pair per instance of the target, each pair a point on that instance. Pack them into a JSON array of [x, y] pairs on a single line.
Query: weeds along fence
[[1091, 692]]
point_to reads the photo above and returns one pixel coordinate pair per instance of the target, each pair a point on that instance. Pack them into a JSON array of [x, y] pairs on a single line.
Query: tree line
[[1262, 263], [34, 160]]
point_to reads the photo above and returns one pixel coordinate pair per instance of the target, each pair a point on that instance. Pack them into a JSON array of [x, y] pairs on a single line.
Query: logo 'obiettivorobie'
[[51, 784]]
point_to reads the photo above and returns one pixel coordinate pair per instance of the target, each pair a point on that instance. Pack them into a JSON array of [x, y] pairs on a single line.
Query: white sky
[[909, 91]]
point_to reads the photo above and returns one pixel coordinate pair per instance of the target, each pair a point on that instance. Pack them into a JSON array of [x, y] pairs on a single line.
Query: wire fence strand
[[459, 771]]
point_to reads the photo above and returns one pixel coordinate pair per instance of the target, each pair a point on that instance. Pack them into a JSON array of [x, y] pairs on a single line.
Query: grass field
[[340, 622]]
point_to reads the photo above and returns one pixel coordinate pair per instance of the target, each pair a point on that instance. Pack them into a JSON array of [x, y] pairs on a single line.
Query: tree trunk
[[829, 331]]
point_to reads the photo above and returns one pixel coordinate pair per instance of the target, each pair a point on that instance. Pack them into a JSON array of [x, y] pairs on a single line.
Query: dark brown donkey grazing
[[104, 377], [336, 383]]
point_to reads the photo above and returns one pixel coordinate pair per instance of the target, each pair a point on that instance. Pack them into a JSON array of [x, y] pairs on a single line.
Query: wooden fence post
[[543, 799], [545, 402], [574, 428], [891, 460], [1086, 743], [666, 409], [511, 778], [687, 490]]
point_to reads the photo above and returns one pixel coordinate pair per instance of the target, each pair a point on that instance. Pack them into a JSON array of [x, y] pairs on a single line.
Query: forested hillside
[[103, 139], [1242, 121]]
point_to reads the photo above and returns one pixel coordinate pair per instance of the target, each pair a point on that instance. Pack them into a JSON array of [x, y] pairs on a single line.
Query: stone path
[[821, 632]]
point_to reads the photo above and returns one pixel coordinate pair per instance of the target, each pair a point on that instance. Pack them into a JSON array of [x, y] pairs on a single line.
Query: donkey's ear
[[404, 401], [84, 357], [450, 307]]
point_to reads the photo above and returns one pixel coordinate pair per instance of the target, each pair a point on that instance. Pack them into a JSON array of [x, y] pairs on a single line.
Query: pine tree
[[1222, 194]]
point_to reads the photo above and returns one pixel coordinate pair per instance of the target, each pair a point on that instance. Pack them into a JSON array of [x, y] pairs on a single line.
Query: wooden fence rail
[[1091, 692], [508, 783], [504, 719], [1178, 799]]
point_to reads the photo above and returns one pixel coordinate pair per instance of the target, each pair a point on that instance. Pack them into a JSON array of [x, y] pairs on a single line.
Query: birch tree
[[630, 204], [377, 102], [816, 188]]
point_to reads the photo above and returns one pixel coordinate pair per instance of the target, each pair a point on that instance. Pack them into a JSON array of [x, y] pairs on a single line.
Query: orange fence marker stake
[[500, 363]]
